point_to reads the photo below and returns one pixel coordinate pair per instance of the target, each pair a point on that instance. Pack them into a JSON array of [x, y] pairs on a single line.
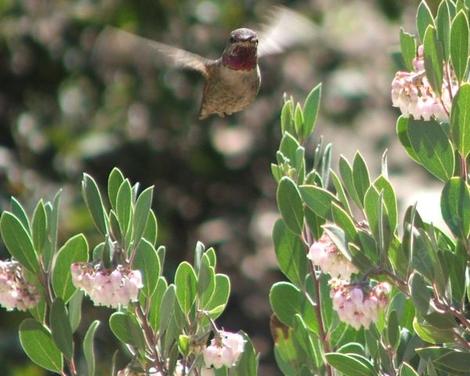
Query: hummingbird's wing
[[285, 28], [114, 45]]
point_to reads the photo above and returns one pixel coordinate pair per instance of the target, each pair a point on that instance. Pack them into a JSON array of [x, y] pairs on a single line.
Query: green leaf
[[340, 192], [141, 213], [459, 44], [407, 370], [115, 180], [455, 202], [352, 347], [311, 106], [53, 227], [408, 49], [290, 205], [389, 198], [39, 227], [287, 300], [287, 124], [88, 347], [298, 120], [290, 253], [432, 147], [155, 303], [147, 261], [19, 212], [343, 220], [431, 334], [18, 241], [38, 344], [393, 330], [423, 257], [360, 176], [205, 281], [458, 361], [220, 296], [424, 18], [186, 286], [402, 133], [124, 206], [372, 204], [74, 250], [420, 293], [443, 28], [460, 120], [319, 200], [433, 60], [151, 228], [94, 202], [350, 365], [347, 176], [75, 309], [39, 311], [167, 308], [126, 329], [60, 327]]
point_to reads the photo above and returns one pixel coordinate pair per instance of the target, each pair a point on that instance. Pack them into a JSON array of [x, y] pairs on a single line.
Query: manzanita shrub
[[368, 292], [164, 327]]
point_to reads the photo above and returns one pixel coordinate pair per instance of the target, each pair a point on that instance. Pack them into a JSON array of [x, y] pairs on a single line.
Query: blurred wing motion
[[285, 28], [117, 45]]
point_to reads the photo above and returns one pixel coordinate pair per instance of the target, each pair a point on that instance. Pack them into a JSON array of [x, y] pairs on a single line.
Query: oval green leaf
[[38, 344]]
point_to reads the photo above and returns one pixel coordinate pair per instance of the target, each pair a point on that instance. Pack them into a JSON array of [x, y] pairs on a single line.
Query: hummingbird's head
[[240, 53]]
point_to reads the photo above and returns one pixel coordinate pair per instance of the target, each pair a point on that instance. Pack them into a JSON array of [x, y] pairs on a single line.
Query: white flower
[[108, 287], [330, 260], [15, 291], [225, 350]]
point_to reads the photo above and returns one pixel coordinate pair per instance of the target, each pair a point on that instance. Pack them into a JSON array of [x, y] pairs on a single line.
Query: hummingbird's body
[[227, 90], [233, 80]]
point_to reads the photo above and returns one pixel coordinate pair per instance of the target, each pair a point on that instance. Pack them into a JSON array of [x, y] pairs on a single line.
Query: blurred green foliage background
[[62, 114]]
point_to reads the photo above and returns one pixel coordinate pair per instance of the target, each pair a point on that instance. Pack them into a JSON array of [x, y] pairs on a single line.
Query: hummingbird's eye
[[233, 39]]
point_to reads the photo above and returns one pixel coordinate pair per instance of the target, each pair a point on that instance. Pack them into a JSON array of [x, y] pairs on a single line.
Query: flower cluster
[[330, 260], [108, 287], [15, 291], [412, 93], [225, 350], [356, 305]]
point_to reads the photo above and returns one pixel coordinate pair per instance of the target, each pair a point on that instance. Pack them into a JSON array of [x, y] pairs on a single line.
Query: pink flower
[[108, 287], [356, 305], [412, 93], [15, 291], [324, 254]]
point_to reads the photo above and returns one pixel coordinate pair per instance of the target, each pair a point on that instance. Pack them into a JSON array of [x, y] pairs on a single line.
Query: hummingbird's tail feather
[[285, 28], [116, 45]]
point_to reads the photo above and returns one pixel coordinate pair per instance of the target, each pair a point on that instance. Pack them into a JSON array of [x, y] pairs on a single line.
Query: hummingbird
[[232, 81]]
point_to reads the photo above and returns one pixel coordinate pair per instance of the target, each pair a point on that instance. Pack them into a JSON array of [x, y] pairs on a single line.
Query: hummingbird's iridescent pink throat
[[241, 58]]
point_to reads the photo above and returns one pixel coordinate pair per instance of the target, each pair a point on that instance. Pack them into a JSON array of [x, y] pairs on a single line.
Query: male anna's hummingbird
[[233, 80]]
